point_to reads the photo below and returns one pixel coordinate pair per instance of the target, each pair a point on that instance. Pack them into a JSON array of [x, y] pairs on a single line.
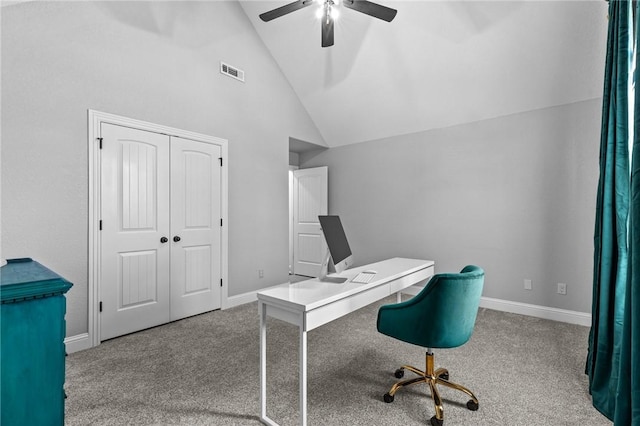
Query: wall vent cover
[[231, 71]]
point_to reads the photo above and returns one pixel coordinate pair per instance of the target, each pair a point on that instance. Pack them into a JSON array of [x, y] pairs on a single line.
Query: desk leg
[[263, 360], [262, 309], [303, 375]]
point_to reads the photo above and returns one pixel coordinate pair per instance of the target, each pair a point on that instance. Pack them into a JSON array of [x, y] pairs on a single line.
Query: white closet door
[[310, 199], [195, 227], [134, 279]]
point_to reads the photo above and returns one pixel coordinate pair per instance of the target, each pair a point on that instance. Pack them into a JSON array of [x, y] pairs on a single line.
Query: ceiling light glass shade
[[334, 13]]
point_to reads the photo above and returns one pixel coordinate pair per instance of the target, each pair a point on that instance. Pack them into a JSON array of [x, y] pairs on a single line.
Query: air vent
[[233, 72]]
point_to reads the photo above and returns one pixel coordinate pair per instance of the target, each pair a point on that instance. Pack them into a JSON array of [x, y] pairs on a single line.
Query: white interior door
[[310, 199], [134, 281], [195, 227]]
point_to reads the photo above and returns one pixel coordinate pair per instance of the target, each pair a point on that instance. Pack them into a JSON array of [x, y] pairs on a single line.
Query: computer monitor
[[338, 247]]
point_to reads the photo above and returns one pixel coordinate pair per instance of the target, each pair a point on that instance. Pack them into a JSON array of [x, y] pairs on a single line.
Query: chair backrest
[[442, 315]]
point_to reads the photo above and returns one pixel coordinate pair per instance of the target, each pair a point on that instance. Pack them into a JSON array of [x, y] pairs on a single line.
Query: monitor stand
[[323, 272]]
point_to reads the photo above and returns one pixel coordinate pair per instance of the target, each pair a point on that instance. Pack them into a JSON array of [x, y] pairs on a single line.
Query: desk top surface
[[312, 293]]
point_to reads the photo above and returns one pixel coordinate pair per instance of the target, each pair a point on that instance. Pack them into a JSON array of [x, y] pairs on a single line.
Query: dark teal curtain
[[629, 389], [613, 362]]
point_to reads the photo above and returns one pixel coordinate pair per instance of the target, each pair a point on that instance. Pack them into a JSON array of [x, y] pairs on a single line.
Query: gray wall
[[152, 61], [294, 159], [515, 195]]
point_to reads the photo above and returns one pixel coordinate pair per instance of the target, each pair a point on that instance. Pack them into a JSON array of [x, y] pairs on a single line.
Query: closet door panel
[[134, 280], [195, 227]]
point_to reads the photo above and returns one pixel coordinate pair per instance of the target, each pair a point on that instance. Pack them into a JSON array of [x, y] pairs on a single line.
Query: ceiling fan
[[328, 13]]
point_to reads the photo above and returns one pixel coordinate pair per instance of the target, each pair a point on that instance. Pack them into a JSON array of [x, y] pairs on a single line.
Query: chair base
[[432, 378]]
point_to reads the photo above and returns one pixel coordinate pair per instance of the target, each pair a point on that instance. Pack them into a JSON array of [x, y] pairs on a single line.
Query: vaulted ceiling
[[438, 63]]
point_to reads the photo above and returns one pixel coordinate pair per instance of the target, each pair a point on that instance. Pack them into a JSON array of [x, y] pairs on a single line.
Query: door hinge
[[220, 282], [100, 225], [100, 140], [220, 158], [100, 306]]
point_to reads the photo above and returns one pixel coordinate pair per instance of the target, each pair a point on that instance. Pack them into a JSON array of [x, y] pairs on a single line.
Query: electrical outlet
[[528, 285], [260, 273], [562, 288]]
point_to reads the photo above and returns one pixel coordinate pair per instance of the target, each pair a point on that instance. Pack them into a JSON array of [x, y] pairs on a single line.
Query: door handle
[[164, 240], [176, 238]]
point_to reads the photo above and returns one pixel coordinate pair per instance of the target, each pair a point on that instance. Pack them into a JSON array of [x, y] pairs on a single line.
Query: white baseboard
[[76, 343], [555, 314], [241, 299], [537, 311], [248, 297]]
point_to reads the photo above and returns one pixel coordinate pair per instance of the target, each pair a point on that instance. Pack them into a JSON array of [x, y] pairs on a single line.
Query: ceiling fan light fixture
[[328, 12], [330, 6]]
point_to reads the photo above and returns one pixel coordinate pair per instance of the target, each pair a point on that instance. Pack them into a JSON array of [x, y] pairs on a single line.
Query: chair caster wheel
[[471, 405], [399, 373], [388, 398], [436, 422], [444, 376]]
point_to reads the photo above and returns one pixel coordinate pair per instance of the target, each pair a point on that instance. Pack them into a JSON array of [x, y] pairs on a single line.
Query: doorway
[[309, 190]]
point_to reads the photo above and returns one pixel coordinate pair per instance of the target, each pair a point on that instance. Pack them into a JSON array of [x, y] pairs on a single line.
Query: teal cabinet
[[32, 330]]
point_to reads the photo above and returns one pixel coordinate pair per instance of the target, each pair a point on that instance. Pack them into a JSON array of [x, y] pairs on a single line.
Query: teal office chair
[[442, 315]]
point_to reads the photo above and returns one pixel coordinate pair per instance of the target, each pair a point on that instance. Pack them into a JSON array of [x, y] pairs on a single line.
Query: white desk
[[312, 303]]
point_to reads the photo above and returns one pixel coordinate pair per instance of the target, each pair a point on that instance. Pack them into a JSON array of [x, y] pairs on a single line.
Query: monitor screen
[[336, 242]]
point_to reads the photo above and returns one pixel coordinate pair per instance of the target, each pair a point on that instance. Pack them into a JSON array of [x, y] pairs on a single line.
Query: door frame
[[291, 170], [94, 119]]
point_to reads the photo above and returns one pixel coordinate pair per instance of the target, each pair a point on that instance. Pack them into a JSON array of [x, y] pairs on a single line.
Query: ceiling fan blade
[[283, 10], [327, 30], [371, 9]]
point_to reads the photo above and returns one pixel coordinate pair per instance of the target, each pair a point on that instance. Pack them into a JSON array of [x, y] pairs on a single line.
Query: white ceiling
[[438, 64]]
